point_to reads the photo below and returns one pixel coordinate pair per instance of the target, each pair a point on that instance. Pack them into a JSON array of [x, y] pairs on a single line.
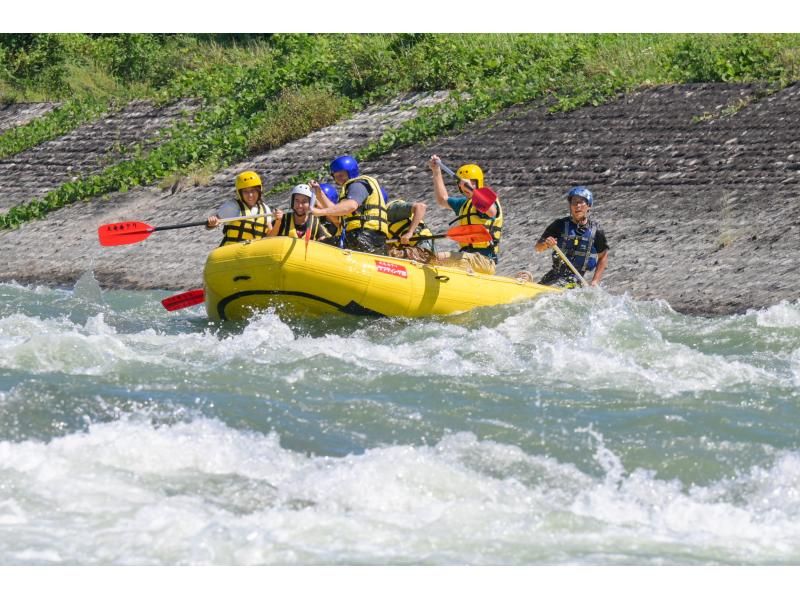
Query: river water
[[582, 428]]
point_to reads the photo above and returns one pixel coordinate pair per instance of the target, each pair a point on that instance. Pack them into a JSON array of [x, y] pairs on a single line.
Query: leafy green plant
[[259, 91], [58, 121]]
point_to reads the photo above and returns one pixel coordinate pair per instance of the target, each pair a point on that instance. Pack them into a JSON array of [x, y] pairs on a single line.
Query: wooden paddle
[[482, 198], [185, 299], [126, 233], [570, 266], [466, 234]]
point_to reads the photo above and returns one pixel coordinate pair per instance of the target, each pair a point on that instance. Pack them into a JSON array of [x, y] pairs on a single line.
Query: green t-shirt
[[399, 210]]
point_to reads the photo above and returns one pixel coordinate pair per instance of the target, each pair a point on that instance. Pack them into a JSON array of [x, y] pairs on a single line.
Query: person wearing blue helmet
[[361, 207], [581, 239], [327, 196], [330, 192]]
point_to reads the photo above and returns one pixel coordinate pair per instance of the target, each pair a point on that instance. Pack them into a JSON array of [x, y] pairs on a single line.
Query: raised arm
[[439, 189]]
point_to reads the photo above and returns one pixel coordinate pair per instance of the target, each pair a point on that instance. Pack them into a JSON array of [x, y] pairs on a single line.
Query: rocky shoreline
[[695, 185]]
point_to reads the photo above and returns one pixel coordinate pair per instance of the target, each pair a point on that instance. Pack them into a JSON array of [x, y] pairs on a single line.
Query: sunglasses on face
[[576, 201]]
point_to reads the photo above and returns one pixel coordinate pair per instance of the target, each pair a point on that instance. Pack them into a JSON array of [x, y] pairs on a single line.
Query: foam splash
[[612, 342], [128, 492], [785, 314]]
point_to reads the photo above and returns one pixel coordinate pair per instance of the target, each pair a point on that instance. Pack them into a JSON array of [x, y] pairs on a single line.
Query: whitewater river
[[576, 429]]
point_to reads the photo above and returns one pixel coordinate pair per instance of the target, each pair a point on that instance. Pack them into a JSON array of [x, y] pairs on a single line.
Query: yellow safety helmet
[[471, 172], [247, 179]]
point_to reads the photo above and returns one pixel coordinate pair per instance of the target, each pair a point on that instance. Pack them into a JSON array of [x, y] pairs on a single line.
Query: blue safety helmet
[[330, 192], [347, 163], [581, 192]]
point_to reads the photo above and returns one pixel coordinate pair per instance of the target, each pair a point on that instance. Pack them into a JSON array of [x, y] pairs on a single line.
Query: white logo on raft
[[390, 268]]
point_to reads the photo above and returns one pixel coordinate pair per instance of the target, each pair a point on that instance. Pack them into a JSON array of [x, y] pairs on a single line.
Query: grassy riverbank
[[259, 92]]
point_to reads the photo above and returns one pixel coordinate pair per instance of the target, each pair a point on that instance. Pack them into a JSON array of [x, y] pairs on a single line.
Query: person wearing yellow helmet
[[246, 203], [295, 224], [481, 257]]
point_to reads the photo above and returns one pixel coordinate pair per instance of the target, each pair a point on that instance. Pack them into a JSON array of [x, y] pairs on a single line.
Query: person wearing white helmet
[[300, 220], [580, 238]]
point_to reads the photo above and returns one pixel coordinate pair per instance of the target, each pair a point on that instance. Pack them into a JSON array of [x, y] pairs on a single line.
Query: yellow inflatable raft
[[284, 273]]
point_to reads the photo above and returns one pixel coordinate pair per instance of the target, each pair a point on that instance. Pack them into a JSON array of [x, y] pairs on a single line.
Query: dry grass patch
[[295, 114], [199, 177]]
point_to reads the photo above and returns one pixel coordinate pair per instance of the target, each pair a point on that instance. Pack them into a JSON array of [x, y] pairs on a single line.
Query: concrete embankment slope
[[696, 186]]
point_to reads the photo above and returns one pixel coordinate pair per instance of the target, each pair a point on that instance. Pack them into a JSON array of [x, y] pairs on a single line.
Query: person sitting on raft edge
[[299, 220], [247, 203], [361, 207], [405, 223], [480, 257]]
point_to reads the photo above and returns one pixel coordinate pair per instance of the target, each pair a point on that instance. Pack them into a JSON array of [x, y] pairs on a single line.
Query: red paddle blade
[[182, 300], [483, 198], [124, 233], [469, 233]]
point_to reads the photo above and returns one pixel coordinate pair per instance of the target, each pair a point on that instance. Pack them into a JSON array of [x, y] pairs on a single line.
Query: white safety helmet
[[302, 190]]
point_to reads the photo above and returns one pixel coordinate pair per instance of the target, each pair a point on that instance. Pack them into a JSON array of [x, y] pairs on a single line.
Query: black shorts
[[557, 278], [366, 240]]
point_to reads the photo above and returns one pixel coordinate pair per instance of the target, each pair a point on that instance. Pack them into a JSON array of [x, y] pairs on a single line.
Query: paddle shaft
[[467, 233], [421, 238], [570, 266], [444, 167], [221, 220], [187, 225]]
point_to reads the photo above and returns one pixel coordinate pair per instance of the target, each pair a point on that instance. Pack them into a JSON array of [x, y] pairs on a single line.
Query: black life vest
[[577, 243]]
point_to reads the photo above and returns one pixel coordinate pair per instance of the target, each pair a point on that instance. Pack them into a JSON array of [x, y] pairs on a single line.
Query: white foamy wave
[[128, 492], [594, 339], [59, 345], [783, 315], [748, 519], [795, 365], [34, 344], [604, 341]]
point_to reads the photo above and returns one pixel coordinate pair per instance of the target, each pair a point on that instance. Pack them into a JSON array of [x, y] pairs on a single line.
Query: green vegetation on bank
[[259, 92]]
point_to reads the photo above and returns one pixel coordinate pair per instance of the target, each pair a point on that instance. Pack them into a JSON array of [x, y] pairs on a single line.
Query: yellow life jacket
[[289, 229], [372, 213], [245, 230], [468, 214], [397, 228]]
